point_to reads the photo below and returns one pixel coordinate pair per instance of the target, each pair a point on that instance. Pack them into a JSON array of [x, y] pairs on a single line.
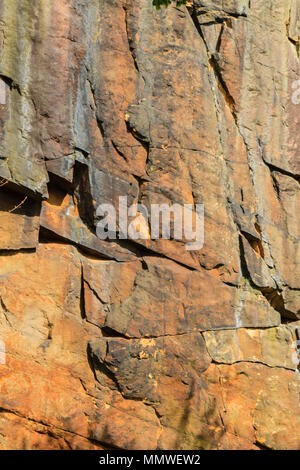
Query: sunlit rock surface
[[144, 344]]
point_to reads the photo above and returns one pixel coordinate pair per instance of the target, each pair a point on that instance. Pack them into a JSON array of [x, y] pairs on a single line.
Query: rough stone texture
[[143, 344]]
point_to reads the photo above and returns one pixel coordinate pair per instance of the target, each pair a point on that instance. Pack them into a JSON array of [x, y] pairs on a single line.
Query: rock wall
[[144, 344]]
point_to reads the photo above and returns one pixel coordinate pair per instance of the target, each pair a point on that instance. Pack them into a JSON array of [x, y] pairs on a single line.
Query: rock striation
[[142, 344]]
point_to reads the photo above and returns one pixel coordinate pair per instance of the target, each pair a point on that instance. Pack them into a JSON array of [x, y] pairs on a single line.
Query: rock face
[[144, 344]]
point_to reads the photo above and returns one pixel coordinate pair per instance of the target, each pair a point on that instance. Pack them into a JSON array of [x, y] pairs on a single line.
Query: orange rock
[[142, 344]]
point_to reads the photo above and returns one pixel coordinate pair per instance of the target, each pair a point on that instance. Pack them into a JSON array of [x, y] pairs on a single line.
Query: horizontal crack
[[251, 362]]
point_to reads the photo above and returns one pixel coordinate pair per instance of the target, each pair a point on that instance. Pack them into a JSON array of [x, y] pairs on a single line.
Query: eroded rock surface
[[144, 344]]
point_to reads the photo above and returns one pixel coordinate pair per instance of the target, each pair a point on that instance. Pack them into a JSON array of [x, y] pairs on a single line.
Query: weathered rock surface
[[144, 344]]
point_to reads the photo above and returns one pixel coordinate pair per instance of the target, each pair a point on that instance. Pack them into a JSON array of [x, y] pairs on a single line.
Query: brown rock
[[143, 344], [19, 221], [272, 347]]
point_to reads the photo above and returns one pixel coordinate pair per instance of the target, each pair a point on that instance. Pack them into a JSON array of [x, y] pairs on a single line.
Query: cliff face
[[144, 344]]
